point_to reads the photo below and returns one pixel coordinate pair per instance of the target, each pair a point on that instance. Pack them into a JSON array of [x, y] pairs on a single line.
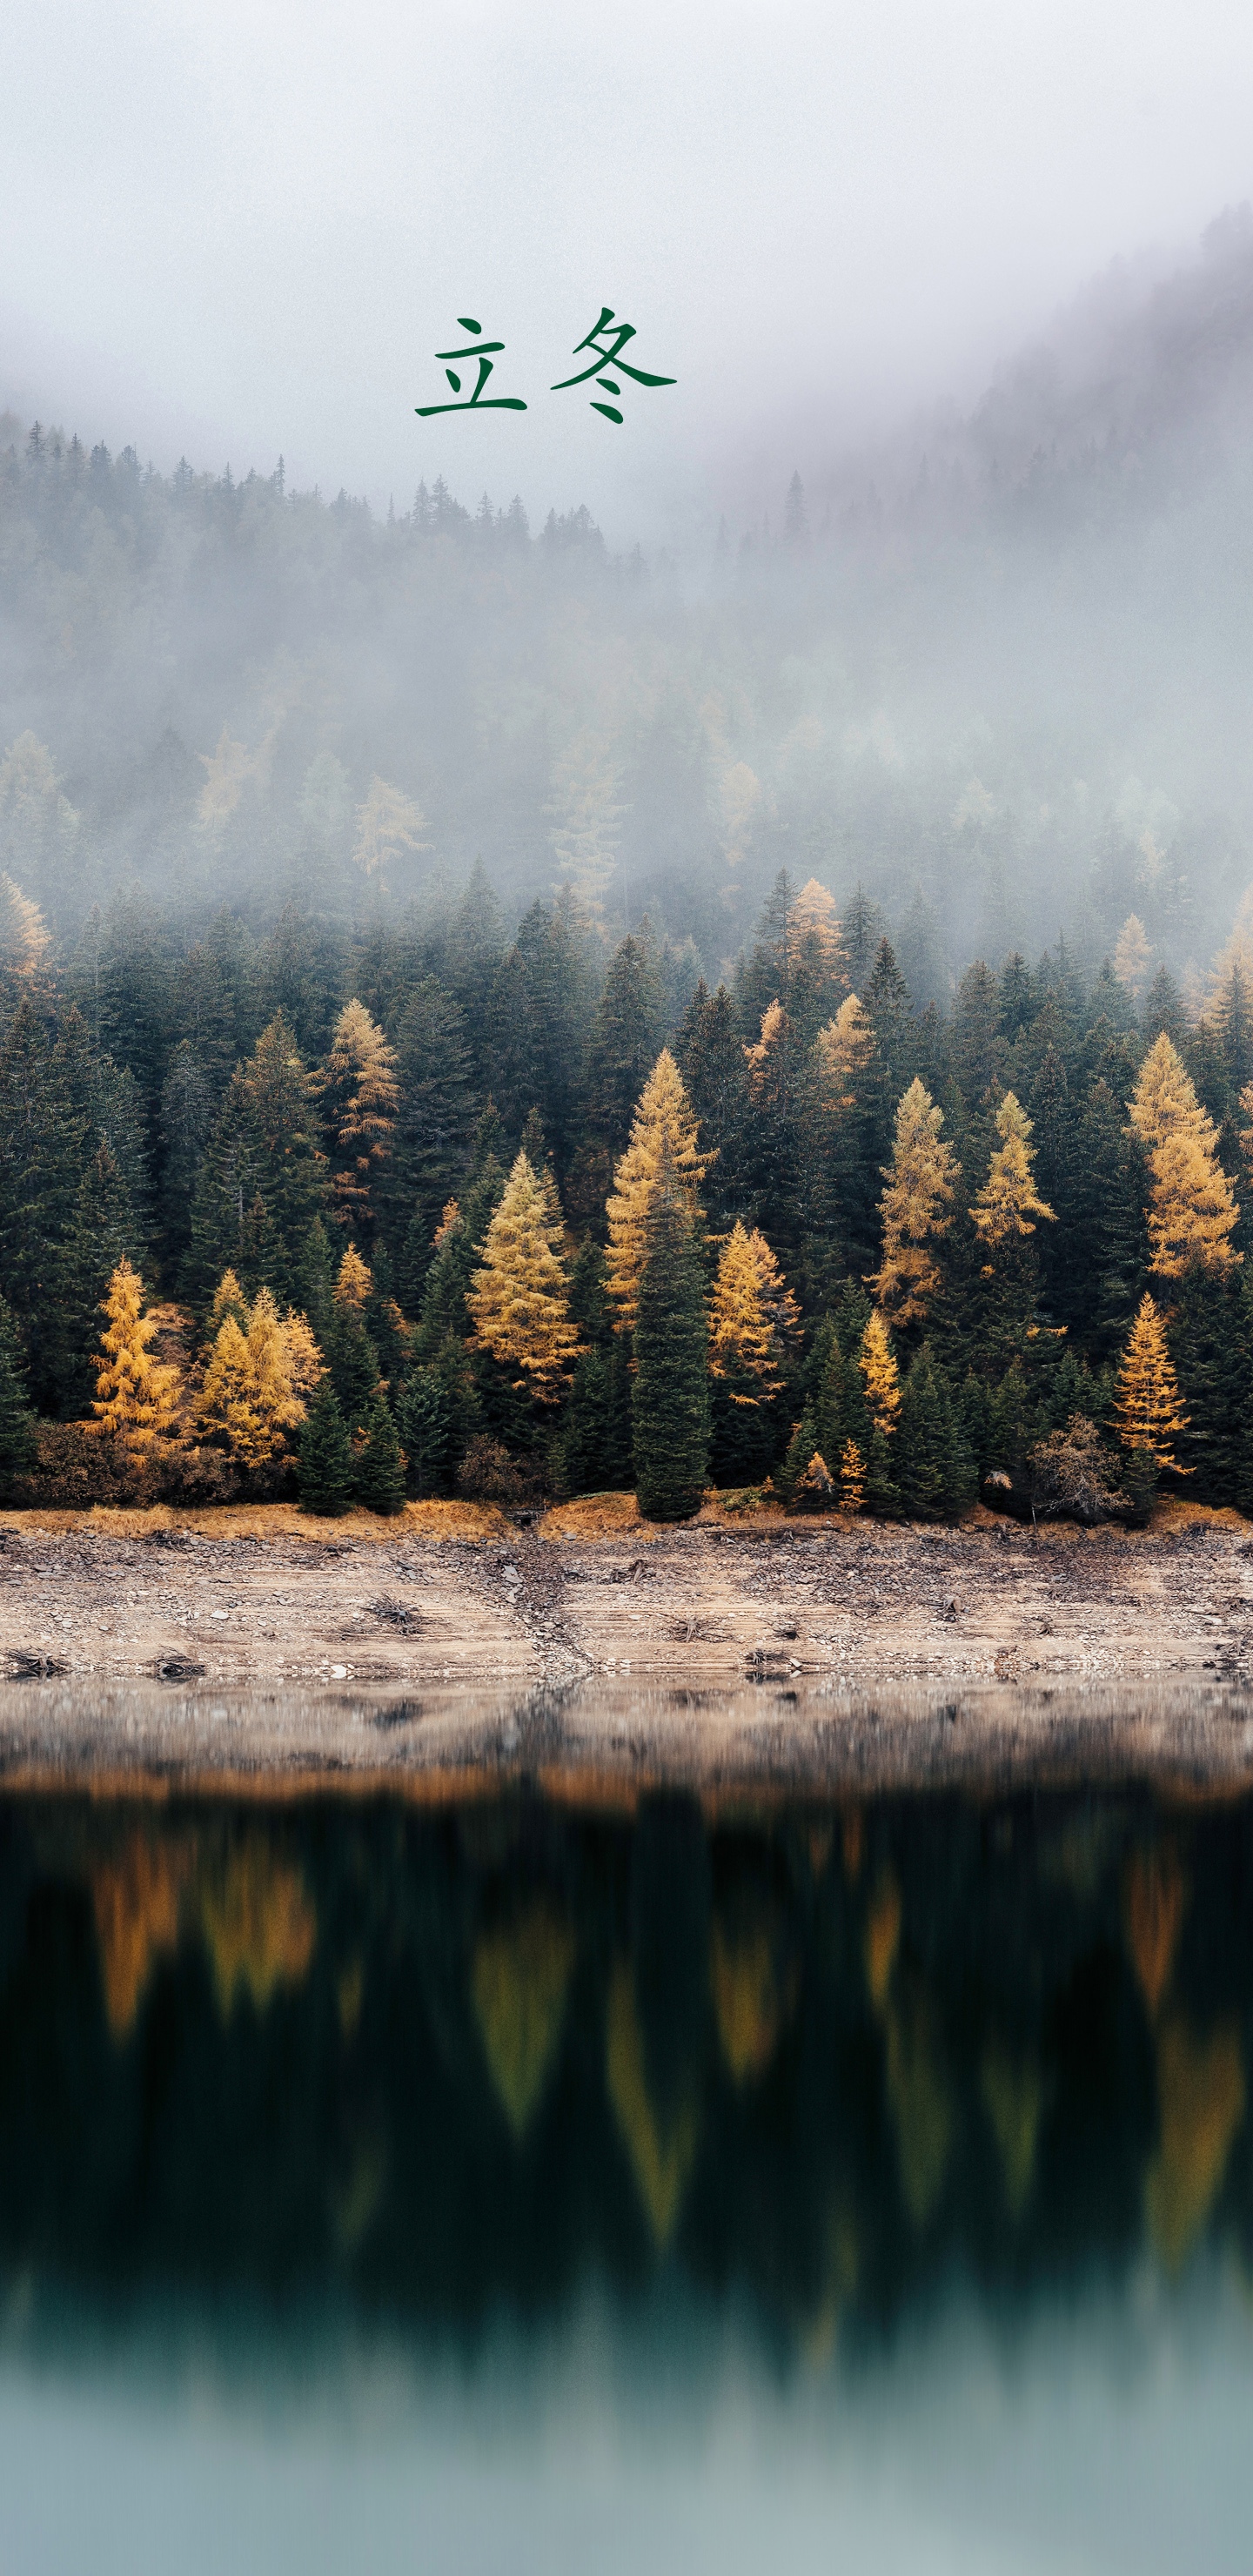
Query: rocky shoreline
[[453, 1596]]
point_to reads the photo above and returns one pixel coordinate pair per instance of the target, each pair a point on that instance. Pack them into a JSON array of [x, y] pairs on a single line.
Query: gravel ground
[[250, 1598]]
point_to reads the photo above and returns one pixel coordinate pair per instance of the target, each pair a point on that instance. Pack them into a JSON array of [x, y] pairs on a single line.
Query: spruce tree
[[325, 1464], [379, 1474], [431, 1140], [932, 1464], [670, 1398], [17, 1422], [424, 1417]]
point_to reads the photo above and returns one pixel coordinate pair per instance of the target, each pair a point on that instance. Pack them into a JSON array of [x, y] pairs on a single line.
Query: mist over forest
[[992, 673]]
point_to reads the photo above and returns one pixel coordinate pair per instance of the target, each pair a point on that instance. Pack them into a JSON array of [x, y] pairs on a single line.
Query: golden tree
[[877, 1362], [852, 1478], [813, 932], [261, 1368], [136, 1396], [352, 1282], [664, 1122], [752, 1316], [388, 823], [915, 1208], [1009, 1202], [1148, 1408], [843, 1052], [1192, 1209], [520, 1299], [363, 1095]]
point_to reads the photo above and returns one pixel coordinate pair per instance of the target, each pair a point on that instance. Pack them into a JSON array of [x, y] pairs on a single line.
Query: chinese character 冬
[[622, 332], [484, 351]]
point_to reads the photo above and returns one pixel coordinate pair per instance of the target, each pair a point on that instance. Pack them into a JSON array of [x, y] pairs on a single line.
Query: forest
[[425, 1207]]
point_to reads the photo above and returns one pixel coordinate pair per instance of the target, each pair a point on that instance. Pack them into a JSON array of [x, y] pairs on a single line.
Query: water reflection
[[418, 2062]]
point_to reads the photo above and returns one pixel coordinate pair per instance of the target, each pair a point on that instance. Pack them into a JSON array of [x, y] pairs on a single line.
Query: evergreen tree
[[350, 1354], [325, 1467], [1004, 1217], [715, 1073], [841, 1132], [626, 1038], [1210, 1354], [17, 1423], [932, 1463], [378, 1467], [915, 1209], [775, 1095], [432, 1131], [750, 1316], [670, 1399], [424, 1417]]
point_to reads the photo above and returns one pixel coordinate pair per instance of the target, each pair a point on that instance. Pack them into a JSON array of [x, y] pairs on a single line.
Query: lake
[[567, 2171]]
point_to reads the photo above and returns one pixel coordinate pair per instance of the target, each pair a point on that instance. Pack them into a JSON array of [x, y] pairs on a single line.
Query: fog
[[968, 271], [247, 233]]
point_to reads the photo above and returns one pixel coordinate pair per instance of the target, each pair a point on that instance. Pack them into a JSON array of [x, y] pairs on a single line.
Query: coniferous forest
[[431, 1206]]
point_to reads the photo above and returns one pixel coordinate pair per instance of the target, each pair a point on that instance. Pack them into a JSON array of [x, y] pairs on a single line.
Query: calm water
[[470, 2181]]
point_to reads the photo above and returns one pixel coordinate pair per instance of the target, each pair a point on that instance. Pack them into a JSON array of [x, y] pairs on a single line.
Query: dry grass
[[600, 1516], [430, 1520]]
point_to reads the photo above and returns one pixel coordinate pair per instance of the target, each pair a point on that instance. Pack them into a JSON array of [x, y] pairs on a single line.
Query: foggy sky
[[246, 230]]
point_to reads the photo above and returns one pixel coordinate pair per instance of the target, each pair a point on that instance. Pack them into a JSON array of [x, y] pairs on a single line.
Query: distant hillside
[[998, 672]]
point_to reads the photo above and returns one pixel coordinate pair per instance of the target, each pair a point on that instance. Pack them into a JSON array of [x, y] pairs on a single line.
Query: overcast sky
[[247, 229]]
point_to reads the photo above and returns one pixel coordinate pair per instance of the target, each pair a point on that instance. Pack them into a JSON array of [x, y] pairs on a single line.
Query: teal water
[[478, 2178]]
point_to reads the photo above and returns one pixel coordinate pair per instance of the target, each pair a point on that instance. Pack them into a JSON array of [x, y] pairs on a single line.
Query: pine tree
[[1192, 1210], [932, 1463], [914, 1209], [1148, 1411], [361, 1099], [136, 1397], [1209, 1352], [433, 1124], [325, 1467], [519, 1298], [17, 1423], [424, 1417], [1004, 1217], [670, 1397], [625, 1041], [716, 1076], [880, 1376], [664, 1128], [378, 1467], [776, 1103]]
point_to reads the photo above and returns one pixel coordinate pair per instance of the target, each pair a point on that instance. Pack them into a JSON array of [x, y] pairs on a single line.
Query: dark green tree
[[670, 1396], [378, 1468], [325, 1464], [17, 1422]]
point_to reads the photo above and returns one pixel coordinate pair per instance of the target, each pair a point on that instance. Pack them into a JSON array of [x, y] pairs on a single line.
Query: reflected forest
[[430, 2064]]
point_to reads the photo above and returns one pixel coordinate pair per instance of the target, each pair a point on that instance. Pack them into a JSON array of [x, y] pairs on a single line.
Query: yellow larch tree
[[915, 1208], [388, 823], [352, 1282], [1192, 1210], [519, 1298], [877, 1361], [813, 926], [843, 1052], [751, 1317], [1009, 1203], [665, 1121], [1148, 1408], [852, 1478], [136, 1396], [362, 1096], [261, 1368], [24, 937]]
